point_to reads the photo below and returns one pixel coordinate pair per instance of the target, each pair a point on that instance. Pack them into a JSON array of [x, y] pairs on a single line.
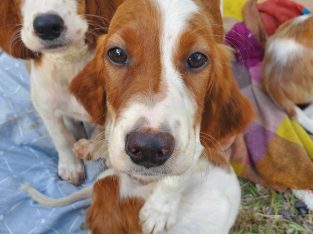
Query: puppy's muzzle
[[149, 149], [48, 27]]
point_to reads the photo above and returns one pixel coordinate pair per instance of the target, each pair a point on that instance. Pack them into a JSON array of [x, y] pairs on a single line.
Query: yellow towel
[[233, 8]]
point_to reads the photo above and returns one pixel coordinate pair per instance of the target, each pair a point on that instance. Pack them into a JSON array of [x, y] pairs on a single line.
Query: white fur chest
[[50, 80]]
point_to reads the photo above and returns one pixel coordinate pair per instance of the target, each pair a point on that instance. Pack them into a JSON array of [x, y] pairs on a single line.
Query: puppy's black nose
[[149, 149], [48, 27]]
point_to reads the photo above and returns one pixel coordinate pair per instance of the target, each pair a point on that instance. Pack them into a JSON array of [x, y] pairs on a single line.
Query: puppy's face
[[162, 81], [44, 26], [49, 25]]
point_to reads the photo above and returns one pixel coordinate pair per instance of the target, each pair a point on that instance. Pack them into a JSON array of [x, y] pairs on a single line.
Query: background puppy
[[288, 71], [59, 37]]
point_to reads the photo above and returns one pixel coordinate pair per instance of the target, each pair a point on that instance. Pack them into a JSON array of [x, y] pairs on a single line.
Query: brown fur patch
[[10, 27], [111, 214], [254, 22], [89, 87], [222, 110], [211, 9], [141, 76], [226, 112], [98, 13]]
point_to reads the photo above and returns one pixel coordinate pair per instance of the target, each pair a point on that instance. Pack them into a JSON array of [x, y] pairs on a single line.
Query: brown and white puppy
[[59, 37], [161, 83], [288, 69]]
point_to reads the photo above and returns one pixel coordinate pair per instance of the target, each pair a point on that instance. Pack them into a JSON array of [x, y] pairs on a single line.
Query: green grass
[[264, 211]]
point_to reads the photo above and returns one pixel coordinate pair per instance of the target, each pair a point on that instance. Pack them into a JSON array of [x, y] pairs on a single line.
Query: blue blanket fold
[[27, 155]]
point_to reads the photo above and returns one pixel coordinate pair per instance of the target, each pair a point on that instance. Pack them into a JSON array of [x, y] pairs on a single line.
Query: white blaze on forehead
[[175, 15], [178, 104], [174, 18], [285, 49]]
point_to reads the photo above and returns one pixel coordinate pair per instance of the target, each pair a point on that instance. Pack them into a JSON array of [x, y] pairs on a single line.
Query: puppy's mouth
[[146, 176], [152, 173], [56, 46]]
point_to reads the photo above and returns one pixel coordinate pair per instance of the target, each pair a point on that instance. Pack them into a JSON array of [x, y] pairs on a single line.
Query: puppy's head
[[162, 84], [29, 27]]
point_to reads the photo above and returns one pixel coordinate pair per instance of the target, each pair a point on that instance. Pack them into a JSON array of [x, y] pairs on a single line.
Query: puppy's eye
[[118, 56], [197, 60]]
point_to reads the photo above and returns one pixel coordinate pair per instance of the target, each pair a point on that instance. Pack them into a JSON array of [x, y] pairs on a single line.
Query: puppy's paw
[[158, 214], [71, 169], [83, 149]]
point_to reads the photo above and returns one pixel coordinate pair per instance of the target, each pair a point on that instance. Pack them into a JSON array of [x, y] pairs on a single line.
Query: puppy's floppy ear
[[226, 112], [253, 21], [213, 10], [10, 26], [88, 87], [99, 14]]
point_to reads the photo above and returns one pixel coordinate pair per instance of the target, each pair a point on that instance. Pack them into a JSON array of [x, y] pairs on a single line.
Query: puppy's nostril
[[136, 152], [164, 151], [149, 149], [133, 150]]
